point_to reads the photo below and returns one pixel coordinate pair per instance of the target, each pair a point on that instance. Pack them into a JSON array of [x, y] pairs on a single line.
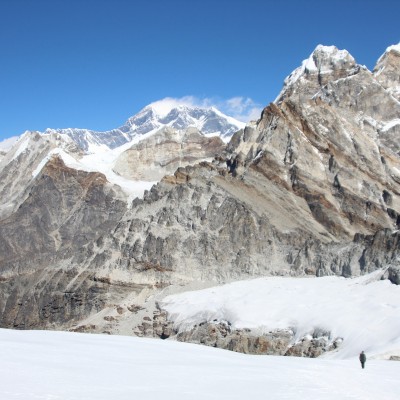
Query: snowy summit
[[324, 60], [160, 114], [169, 113]]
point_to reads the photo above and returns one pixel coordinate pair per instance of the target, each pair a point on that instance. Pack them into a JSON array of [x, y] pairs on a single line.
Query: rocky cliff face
[[312, 188], [387, 71], [164, 152], [23, 162], [64, 210]]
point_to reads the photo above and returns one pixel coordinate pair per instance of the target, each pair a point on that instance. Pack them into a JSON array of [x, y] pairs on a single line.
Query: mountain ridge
[[208, 120], [92, 151]]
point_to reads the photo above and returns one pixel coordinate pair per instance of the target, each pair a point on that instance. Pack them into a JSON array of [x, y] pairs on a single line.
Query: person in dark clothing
[[363, 358]]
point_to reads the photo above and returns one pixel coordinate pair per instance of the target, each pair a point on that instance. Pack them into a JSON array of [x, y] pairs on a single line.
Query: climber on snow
[[362, 358]]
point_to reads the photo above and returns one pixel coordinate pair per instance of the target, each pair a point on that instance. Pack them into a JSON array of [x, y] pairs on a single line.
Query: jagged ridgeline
[[311, 188]]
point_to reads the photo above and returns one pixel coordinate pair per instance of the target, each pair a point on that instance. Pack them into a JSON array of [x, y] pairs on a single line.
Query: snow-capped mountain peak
[[324, 62], [324, 59], [164, 113], [395, 48], [7, 144], [207, 120]]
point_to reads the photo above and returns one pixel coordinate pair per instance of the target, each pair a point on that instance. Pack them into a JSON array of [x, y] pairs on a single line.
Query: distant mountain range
[[209, 121], [151, 144]]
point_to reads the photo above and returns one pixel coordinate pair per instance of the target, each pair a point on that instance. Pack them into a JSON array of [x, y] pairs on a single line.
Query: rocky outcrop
[[281, 342], [21, 164], [64, 211], [164, 152], [387, 70], [363, 255], [223, 336]]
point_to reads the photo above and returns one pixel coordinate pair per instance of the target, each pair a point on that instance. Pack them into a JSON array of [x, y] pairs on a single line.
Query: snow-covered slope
[[38, 365], [160, 114], [364, 312], [7, 144]]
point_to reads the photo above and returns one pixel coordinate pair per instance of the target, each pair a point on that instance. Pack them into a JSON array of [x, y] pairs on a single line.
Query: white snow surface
[[364, 311], [22, 143], [37, 365], [164, 106], [7, 144], [390, 124], [231, 120], [395, 47]]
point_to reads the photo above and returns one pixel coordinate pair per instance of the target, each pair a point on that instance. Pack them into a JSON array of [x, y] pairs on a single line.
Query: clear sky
[[94, 63]]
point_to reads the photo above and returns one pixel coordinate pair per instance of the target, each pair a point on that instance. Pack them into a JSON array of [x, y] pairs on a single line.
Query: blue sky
[[94, 63]]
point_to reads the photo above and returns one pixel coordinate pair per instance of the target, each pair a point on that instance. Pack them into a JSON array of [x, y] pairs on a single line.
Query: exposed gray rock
[[20, 165], [64, 211], [2, 155], [164, 152], [221, 335], [387, 70]]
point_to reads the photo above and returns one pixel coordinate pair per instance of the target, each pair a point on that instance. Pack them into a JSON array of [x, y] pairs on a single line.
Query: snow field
[[49, 365]]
